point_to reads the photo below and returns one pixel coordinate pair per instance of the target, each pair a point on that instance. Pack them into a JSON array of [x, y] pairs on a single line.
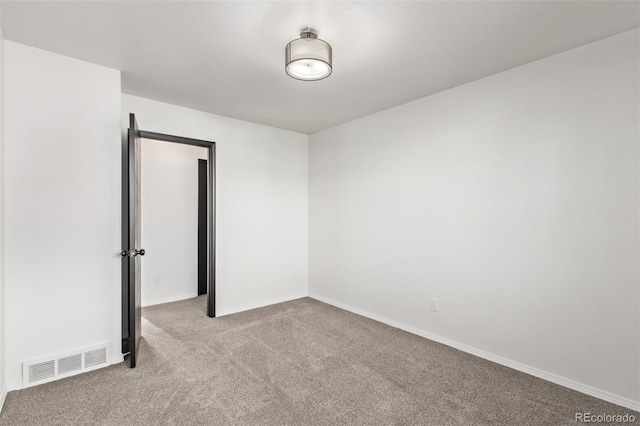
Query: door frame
[[211, 222]]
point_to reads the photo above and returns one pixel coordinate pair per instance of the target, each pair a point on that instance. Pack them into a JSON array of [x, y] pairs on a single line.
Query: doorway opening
[[132, 252], [173, 236]]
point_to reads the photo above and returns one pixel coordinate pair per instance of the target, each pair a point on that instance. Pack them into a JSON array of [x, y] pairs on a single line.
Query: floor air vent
[[43, 370], [95, 357], [69, 364]]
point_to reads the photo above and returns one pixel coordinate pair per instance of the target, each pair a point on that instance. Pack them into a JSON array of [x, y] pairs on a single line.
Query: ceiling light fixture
[[308, 58]]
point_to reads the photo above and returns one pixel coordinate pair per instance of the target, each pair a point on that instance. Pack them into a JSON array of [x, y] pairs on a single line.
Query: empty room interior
[[319, 212]]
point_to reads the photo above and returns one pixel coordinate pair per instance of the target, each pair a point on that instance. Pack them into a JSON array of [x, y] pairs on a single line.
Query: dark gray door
[[134, 251], [202, 227]]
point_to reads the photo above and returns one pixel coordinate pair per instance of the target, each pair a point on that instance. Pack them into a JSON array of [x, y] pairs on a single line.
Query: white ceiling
[[228, 57]]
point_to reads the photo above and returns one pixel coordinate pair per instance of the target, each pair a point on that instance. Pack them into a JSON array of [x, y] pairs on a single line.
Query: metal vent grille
[[42, 371], [95, 357], [70, 364], [53, 367]]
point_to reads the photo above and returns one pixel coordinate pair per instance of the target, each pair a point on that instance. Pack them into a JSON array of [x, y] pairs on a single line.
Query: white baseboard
[[170, 299], [116, 359], [553, 378], [3, 396], [262, 304], [11, 386]]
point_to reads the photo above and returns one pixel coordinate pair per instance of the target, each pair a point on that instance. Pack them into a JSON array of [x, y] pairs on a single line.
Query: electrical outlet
[[433, 304]]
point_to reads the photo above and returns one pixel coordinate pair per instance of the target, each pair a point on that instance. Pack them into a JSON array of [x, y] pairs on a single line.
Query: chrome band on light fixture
[[308, 58]]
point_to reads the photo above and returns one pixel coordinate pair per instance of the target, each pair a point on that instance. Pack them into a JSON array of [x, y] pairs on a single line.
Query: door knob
[[132, 253], [135, 253]]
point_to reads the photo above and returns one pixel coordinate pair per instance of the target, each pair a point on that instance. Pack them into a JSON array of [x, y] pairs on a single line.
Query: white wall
[[62, 206], [169, 220], [3, 381], [261, 202], [514, 200]]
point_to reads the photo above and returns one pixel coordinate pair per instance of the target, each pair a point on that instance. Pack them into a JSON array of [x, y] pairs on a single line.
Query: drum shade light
[[308, 58]]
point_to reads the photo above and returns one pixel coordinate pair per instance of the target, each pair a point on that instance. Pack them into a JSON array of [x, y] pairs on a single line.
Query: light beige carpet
[[296, 363]]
